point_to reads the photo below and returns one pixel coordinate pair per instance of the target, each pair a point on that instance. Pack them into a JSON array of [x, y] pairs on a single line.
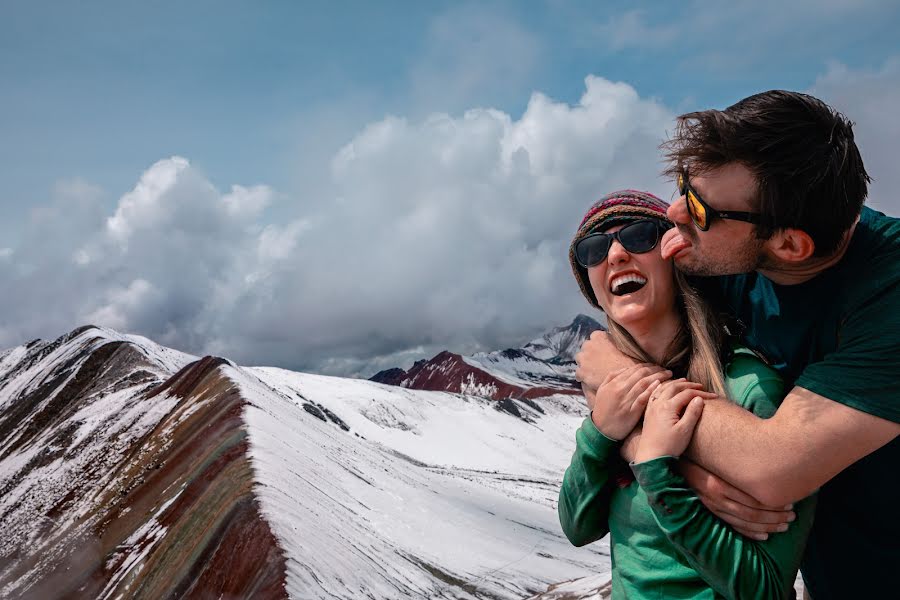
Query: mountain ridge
[[130, 468]]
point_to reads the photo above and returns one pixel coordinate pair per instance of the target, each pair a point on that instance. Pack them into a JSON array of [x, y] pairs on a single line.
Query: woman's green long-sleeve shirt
[[664, 543]]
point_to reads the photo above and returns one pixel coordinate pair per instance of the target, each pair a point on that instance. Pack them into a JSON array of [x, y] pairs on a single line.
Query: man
[[772, 193]]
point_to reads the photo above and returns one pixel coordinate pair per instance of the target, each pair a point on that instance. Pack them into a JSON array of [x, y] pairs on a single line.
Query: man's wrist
[[631, 444], [609, 436]]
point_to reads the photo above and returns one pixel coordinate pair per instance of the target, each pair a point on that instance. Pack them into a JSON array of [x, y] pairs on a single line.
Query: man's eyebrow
[[698, 188]]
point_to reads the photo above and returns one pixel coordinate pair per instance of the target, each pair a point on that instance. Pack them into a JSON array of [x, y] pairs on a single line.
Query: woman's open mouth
[[627, 283]]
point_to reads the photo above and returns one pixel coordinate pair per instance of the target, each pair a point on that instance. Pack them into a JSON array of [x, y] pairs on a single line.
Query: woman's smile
[[626, 282]]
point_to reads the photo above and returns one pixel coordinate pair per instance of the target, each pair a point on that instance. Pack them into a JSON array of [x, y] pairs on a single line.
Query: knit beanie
[[613, 209]]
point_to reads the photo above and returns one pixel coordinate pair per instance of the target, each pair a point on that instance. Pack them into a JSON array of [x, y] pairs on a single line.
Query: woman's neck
[[656, 336]]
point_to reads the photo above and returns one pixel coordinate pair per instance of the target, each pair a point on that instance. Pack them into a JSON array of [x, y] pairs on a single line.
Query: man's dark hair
[[809, 172]]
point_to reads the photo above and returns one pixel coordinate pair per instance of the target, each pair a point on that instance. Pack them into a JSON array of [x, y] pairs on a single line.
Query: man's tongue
[[673, 242]]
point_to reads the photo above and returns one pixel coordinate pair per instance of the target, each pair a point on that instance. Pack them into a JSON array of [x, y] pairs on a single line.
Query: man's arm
[[597, 358], [746, 514], [809, 440]]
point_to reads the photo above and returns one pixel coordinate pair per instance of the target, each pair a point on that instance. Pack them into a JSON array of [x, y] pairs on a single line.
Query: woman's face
[[635, 290]]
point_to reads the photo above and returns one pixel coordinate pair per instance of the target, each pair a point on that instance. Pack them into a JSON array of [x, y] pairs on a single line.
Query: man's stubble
[[732, 259]]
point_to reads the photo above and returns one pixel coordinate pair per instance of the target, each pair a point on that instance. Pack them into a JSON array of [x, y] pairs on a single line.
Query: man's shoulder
[[877, 237], [878, 220], [871, 266]]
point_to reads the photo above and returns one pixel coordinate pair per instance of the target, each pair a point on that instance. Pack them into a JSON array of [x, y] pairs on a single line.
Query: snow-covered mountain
[[542, 367], [131, 470]]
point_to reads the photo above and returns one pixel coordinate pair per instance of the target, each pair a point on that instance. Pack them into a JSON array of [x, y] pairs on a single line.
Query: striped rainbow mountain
[[131, 470]]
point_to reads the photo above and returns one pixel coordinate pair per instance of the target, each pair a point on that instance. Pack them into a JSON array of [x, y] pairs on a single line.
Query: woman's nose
[[617, 253]]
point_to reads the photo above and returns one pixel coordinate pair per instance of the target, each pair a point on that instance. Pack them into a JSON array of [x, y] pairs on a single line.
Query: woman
[[664, 543]]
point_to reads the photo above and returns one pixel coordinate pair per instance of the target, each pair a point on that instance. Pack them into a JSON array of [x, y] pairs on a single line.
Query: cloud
[[122, 305], [154, 266], [449, 232], [870, 97], [443, 232]]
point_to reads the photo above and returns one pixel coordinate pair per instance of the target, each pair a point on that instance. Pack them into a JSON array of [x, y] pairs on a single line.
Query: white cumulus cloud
[[445, 232]]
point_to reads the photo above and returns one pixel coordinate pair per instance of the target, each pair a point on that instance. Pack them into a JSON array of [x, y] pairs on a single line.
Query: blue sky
[[270, 94]]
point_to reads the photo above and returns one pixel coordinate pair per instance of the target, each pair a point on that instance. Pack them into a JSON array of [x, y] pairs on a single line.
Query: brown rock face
[[134, 481], [543, 367], [448, 372]]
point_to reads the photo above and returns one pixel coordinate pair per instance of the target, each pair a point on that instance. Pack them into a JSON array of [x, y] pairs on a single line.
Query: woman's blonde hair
[[695, 351]]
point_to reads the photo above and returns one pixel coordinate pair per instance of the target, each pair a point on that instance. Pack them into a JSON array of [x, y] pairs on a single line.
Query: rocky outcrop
[[596, 587], [448, 372], [389, 376]]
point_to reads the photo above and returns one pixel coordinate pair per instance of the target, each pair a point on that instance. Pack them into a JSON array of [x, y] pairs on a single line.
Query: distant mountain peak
[[543, 367], [582, 321]]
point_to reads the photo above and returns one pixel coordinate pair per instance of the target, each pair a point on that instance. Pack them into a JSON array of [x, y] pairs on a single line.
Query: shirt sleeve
[[586, 490], [864, 371], [731, 564]]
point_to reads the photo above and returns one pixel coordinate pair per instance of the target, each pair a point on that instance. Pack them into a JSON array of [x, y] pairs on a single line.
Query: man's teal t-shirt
[[838, 335]]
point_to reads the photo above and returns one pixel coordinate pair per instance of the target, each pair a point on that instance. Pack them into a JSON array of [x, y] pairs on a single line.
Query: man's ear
[[791, 245]]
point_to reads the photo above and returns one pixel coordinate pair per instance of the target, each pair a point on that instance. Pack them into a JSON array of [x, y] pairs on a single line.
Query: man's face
[[728, 246]]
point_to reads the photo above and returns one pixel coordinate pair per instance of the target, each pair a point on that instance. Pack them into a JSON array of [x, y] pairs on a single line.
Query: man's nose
[[678, 213]]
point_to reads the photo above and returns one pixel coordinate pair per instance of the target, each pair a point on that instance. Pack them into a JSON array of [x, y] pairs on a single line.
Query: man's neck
[[793, 274]]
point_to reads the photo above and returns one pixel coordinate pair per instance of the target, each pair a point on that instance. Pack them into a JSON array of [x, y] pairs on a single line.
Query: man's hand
[[622, 397], [598, 358], [744, 513]]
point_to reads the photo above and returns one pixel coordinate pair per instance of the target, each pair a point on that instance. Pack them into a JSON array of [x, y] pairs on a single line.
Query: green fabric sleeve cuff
[[656, 473], [596, 437]]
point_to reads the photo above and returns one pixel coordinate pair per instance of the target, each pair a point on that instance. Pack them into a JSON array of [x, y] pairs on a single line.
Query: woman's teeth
[[626, 284]]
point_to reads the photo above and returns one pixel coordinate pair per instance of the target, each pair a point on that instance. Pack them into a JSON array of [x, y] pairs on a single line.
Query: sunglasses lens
[[639, 237], [636, 238], [592, 249], [697, 210]]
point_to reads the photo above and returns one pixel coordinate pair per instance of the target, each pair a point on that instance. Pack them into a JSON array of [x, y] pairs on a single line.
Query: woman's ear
[[791, 245]]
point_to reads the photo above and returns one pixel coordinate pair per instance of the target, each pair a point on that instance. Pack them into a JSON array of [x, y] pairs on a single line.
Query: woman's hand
[[622, 396], [672, 413]]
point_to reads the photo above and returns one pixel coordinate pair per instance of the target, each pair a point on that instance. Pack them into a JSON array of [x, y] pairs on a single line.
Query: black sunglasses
[[637, 238], [702, 214]]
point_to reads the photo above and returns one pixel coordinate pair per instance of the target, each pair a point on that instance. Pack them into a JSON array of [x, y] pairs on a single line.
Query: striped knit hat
[[612, 209]]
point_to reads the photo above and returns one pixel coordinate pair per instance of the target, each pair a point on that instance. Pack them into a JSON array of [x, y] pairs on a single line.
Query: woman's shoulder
[[751, 383]]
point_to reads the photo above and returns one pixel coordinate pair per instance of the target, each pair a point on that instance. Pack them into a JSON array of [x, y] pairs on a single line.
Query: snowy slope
[[127, 468], [427, 495]]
